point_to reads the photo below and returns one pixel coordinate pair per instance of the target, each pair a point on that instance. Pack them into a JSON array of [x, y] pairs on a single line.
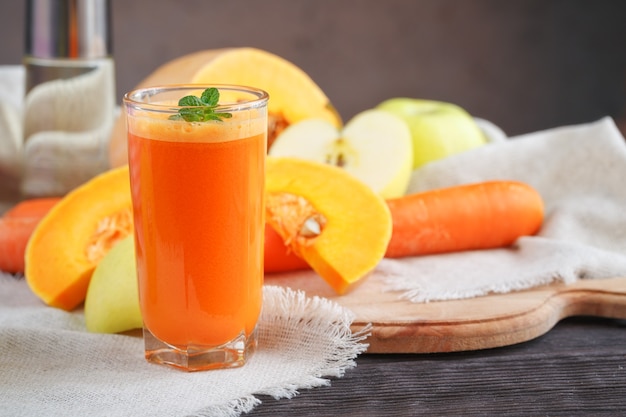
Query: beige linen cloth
[[51, 366], [580, 171]]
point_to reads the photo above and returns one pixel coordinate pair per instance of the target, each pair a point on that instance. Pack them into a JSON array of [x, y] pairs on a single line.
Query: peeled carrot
[[16, 227], [476, 216], [278, 257]]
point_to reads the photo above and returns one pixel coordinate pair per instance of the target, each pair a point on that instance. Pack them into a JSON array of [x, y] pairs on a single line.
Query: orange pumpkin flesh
[[330, 219], [294, 96], [72, 238]]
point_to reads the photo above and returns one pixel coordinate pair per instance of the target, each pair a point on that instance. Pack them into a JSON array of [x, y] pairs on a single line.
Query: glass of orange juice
[[197, 184]]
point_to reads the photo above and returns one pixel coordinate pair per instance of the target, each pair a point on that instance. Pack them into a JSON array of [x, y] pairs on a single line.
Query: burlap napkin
[[580, 171], [51, 366]]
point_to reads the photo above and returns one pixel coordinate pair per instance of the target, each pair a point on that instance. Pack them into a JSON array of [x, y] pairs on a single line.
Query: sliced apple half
[[335, 222], [375, 146], [112, 302]]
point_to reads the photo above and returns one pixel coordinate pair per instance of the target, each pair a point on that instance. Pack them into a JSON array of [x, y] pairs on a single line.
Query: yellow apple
[[439, 129], [112, 303], [374, 146]]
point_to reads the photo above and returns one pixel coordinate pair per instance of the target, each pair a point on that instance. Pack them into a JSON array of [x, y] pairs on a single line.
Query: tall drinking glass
[[198, 206]]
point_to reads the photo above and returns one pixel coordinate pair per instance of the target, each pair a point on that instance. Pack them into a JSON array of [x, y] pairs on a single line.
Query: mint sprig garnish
[[200, 109]]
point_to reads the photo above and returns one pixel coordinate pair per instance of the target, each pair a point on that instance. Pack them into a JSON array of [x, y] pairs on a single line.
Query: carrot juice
[[197, 190]]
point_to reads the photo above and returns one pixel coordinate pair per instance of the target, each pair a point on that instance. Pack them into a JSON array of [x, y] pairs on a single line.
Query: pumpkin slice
[[294, 96], [75, 235], [328, 217]]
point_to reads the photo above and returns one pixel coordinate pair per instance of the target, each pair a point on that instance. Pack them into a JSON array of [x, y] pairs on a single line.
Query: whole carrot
[[14, 234], [16, 226], [34, 207], [484, 215]]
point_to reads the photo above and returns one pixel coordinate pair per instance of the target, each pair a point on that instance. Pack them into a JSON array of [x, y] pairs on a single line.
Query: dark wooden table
[[578, 368]]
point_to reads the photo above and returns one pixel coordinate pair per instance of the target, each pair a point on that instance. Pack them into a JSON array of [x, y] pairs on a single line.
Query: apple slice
[[438, 129], [375, 146], [112, 302]]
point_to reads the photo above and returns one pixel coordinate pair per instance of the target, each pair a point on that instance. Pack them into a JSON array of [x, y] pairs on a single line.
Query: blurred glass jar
[[70, 105]]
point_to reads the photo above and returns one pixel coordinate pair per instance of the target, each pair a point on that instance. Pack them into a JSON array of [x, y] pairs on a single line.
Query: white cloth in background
[[580, 171]]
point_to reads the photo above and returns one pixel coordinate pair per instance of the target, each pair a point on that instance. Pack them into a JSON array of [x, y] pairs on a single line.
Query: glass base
[[232, 354]]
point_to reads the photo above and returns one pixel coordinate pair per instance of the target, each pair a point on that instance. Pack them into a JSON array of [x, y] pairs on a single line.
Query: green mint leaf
[[210, 97], [217, 116], [200, 109], [190, 101], [192, 114]]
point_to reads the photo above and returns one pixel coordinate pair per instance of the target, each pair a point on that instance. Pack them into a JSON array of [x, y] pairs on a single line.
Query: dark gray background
[[523, 64]]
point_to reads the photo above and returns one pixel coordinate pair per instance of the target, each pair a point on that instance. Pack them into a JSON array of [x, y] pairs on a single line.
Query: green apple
[[375, 146], [439, 129], [112, 302]]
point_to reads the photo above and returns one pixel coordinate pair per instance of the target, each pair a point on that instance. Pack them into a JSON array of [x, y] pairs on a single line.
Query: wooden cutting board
[[400, 326]]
